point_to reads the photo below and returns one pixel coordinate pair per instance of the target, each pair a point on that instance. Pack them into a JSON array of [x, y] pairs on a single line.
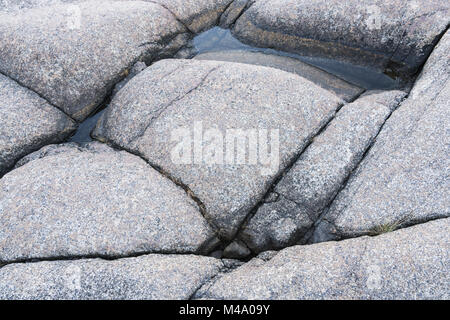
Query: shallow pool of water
[[218, 39], [221, 40]]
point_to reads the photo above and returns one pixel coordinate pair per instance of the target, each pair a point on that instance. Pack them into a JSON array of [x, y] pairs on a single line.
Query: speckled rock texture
[[404, 178], [196, 15], [319, 174], [305, 158], [27, 122], [393, 34], [323, 79], [73, 55], [154, 276], [411, 263], [206, 99], [14, 6], [94, 201], [233, 12]]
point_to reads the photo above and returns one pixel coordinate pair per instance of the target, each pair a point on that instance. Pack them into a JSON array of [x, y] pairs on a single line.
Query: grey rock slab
[[319, 173], [157, 112], [196, 15], [94, 201], [393, 34], [14, 6], [149, 277], [73, 55], [27, 122], [410, 263], [323, 79], [404, 179]]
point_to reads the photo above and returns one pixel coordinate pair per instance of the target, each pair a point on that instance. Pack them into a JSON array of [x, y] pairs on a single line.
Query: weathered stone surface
[[212, 98], [320, 172], [147, 277], [13, 6], [411, 263], [134, 70], [232, 13], [73, 56], [197, 15], [94, 201], [27, 122], [323, 79], [404, 178], [370, 33]]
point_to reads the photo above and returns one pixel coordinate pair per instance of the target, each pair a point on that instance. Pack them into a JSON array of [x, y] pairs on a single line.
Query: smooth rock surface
[[411, 263], [404, 179], [395, 34], [320, 172], [157, 112], [27, 122], [323, 79], [94, 201], [73, 55], [149, 277]]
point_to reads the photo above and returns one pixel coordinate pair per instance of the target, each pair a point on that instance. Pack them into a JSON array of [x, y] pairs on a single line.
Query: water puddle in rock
[[219, 44], [216, 41], [83, 133]]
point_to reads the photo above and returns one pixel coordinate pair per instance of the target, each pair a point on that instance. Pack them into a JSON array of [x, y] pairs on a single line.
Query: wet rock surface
[[362, 268], [220, 43], [239, 145], [396, 34], [27, 122], [200, 96], [94, 201], [323, 79]]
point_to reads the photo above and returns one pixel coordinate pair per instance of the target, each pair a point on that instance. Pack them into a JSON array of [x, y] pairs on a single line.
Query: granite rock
[[149, 277], [387, 35], [196, 15], [27, 122], [406, 264], [95, 201], [158, 112], [319, 174], [233, 12], [323, 79], [404, 179], [73, 54]]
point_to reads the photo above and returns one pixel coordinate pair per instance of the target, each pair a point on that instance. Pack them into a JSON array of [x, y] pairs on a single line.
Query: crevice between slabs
[[226, 268], [39, 95], [231, 24], [173, 15], [178, 182], [323, 215], [281, 174]]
